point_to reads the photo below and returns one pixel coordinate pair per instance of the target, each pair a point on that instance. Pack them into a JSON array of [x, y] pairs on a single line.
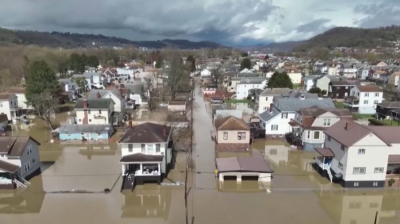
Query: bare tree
[[177, 74], [45, 106]]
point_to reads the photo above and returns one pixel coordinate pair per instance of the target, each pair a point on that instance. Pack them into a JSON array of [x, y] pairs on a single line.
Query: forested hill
[[74, 40], [353, 37]]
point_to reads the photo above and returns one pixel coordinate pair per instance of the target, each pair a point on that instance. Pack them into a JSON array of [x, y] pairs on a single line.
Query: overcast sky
[[223, 21]]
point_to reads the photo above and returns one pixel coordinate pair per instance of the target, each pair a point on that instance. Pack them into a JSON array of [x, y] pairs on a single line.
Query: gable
[[327, 115], [370, 140]]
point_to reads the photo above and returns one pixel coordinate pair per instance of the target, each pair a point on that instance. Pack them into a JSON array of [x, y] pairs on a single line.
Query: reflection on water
[[244, 186]]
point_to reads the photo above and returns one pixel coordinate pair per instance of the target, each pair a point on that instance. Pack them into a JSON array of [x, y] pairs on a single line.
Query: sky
[[231, 22]]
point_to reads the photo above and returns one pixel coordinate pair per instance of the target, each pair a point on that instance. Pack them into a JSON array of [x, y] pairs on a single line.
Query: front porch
[[323, 160], [352, 102]]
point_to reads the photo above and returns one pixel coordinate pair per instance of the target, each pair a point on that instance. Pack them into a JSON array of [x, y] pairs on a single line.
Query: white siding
[[295, 77], [92, 116], [283, 124], [264, 102]]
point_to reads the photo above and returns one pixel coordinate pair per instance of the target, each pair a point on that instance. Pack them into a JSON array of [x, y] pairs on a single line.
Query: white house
[[19, 160], [348, 70], [363, 72], [360, 156], [333, 70], [126, 72], [146, 154], [364, 98], [205, 73], [9, 106], [309, 124], [266, 97], [242, 88], [310, 81], [295, 77], [94, 111], [115, 95], [20, 93], [276, 120]]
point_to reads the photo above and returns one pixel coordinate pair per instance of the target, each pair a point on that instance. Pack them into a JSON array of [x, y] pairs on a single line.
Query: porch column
[[141, 168], [159, 170], [123, 169]]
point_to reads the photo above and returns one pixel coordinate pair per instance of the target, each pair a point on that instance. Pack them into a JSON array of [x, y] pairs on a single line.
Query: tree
[[42, 90], [177, 74], [244, 54], [371, 57], [217, 77], [76, 63], [315, 90], [246, 63], [92, 61], [280, 80], [6, 80], [192, 61], [321, 54], [159, 62]]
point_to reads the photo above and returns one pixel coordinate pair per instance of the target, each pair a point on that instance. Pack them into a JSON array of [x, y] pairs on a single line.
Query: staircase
[[20, 184], [128, 182], [329, 173], [325, 166]]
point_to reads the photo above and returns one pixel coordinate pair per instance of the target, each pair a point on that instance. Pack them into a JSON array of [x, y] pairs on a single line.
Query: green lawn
[[339, 105], [363, 116], [384, 122], [238, 101]]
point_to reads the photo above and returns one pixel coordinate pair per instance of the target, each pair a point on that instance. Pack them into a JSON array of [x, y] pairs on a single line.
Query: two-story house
[[94, 111], [243, 88], [233, 134], [266, 97], [339, 89], [364, 98], [19, 160], [309, 124], [117, 98], [360, 156], [146, 152], [9, 106], [348, 70], [310, 81], [22, 102], [275, 121]]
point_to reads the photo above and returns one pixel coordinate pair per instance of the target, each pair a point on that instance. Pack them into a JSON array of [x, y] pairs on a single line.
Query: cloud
[[225, 21], [383, 13]]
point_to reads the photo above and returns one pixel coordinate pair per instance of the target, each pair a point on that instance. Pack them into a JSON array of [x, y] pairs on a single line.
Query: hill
[[354, 38], [75, 40], [273, 47]]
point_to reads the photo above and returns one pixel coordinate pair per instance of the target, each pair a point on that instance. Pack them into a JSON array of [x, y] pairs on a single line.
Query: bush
[[391, 182], [376, 122]]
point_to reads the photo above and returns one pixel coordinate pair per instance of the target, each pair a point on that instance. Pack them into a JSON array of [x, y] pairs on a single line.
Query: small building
[[384, 110], [339, 89], [177, 106], [233, 134], [19, 160], [243, 88], [209, 90], [9, 106], [364, 99], [205, 73], [85, 132], [20, 93]]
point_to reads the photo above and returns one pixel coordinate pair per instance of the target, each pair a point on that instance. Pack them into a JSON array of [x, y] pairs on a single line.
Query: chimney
[[164, 130], [270, 107], [319, 95], [84, 103], [349, 125], [98, 95]]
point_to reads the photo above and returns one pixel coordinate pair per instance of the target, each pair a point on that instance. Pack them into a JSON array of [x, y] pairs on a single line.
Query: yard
[[238, 101]]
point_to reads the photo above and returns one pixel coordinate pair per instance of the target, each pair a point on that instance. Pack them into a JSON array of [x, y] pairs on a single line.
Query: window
[[365, 101], [340, 165], [33, 160], [266, 98], [158, 147], [343, 148], [353, 93], [273, 152], [358, 94], [88, 111], [361, 151], [284, 115], [225, 135], [27, 166], [241, 135], [375, 184], [376, 94], [150, 149], [99, 111], [274, 127], [355, 204], [359, 170], [375, 101], [90, 120], [130, 147], [329, 138], [316, 134], [374, 204], [379, 170], [1, 104], [29, 149], [327, 122], [366, 94], [265, 108], [308, 134], [80, 119], [143, 148], [356, 184]]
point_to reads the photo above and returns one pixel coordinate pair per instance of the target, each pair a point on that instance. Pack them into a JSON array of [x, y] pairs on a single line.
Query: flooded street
[[298, 193]]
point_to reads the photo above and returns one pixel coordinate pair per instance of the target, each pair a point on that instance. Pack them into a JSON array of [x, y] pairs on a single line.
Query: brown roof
[[14, 145], [6, 96], [146, 133], [389, 133], [348, 132], [316, 111], [16, 90], [8, 167], [394, 159], [243, 164], [342, 83], [140, 157], [232, 147], [369, 88], [231, 123], [325, 152]]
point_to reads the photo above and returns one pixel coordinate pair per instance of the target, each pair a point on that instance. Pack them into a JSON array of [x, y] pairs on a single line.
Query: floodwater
[[297, 194]]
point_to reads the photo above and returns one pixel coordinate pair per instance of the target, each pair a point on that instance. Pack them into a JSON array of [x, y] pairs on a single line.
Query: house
[[126, 72], [359, 156], [209, 90], [266, 97], [275, 121], [364, 98], [310, 81], [116, 97], [97, 78], [363, 72], [323, 82], [309, 124], [19, 160], [242, 88], [20, 93], [9, 106], [340, 89], [384, 109], [295, 76], [146, 154], [394, 79], [177, 107], [88, 78], [205, 73], [233, 81], [85, 132], [233, 134], [348, 70], [138, 93], [94, 111]]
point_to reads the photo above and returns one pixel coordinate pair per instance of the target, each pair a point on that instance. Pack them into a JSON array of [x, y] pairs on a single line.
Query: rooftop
[[275, 91], [15, 145], [257, 163], [369, 88], [94, 103], [146, 133], [231, 123]]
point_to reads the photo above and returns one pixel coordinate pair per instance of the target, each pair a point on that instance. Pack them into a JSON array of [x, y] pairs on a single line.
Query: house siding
[[283, 124], [79, 136], [233, 137], [33, 158]]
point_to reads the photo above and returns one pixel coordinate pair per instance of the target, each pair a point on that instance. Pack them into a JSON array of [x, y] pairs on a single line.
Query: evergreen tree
[[159, 62], [246, 63], [192, 60], [280, 80]]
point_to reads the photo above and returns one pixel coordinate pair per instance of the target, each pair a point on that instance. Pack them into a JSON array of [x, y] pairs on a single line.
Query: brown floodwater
[[297, 193]]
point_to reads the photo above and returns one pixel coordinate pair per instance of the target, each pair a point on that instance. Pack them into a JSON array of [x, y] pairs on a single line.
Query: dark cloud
[[313, 26], [383, 13]]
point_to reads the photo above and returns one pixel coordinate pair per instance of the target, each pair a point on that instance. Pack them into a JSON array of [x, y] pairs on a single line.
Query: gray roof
[[87, 128], [244, 164], [275, 91], [252, 80], [93, 93], [266, 115], [293, 104], [135, 88], [91, 74], [94, 103]]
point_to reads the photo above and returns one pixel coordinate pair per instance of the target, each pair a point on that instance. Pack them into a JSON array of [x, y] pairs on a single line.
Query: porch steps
[[325, 166], [330, 174], [20, 184], [128, 182]]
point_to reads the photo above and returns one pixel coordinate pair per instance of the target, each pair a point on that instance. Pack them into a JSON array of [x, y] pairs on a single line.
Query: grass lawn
[[390, 123], [363, 116], [238, 101], [339, 105]]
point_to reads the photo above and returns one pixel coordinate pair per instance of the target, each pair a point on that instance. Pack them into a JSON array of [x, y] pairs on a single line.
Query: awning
[[394, 159], [140, 157], [325, 152], [8, 167]]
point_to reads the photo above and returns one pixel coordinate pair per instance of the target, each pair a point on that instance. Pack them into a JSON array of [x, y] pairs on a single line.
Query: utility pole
[[189, 156]]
